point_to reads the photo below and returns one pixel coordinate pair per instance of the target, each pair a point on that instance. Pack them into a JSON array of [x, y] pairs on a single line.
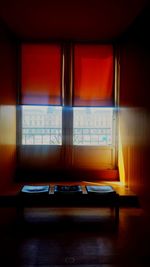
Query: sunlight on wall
[[7, 144], [134, 145], [121, 160], [8, 125]]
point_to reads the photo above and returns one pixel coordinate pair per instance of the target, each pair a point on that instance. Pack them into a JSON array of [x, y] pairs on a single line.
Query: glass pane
[[92, 126], [41, 125]]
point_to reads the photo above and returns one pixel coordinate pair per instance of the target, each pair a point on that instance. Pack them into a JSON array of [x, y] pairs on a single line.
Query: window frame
[[67, 147]]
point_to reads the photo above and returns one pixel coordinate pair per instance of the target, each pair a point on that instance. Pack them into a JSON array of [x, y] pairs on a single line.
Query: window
[[41, 125], [67, 106], [92, 126]]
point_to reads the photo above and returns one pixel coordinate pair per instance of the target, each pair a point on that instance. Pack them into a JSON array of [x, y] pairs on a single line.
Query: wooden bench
[[68, 200], [21, 201]]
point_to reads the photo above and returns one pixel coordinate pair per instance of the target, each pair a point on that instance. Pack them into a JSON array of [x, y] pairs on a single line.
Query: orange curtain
[[93, 75], [41, 74]]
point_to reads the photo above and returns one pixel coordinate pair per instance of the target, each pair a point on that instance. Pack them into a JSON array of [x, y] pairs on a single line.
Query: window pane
[[41, 125], [92, 126]]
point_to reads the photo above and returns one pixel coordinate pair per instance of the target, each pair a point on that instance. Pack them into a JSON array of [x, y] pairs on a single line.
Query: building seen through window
[[41, 125], [92, 126]]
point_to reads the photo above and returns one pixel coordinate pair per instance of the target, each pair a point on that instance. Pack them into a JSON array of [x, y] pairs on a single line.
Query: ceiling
[[69, 20]]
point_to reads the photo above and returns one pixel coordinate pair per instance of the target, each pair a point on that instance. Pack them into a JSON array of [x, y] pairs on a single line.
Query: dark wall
[[8, 85], [135, 106]]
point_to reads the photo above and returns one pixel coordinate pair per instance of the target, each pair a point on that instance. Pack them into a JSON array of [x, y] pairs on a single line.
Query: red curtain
[[41, 74], [93, 75]]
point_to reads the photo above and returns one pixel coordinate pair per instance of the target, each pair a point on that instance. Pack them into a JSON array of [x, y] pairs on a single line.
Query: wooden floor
[[74, 237]]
